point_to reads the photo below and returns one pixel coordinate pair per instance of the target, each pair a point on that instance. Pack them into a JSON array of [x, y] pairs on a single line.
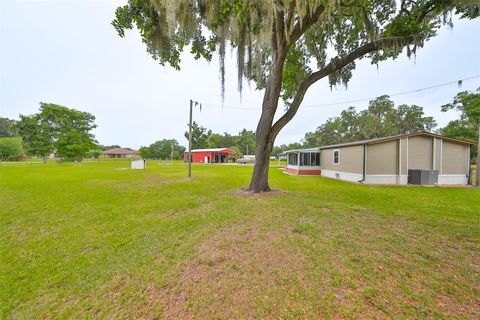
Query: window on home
[[336, 157], [292, 159]]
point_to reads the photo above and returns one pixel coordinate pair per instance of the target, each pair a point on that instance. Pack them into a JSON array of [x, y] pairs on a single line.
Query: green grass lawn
[[97, 240], [474, 175]]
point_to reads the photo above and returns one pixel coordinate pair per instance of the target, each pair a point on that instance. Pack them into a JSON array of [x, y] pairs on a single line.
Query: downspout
[[364, 163], [469, 178], [433, 153]]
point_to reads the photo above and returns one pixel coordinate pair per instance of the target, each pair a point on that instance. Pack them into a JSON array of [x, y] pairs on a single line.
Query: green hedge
[[10, 149]]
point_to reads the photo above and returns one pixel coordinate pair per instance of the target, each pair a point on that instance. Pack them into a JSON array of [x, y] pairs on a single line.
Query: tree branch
[[333, 66], [289, 18], [279, 20], [300, 27]]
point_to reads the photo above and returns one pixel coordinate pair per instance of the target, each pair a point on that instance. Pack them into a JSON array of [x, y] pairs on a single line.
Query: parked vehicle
[[246, 159]]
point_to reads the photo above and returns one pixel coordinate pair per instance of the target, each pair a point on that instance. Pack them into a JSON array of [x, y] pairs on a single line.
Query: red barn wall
[[199, 157]]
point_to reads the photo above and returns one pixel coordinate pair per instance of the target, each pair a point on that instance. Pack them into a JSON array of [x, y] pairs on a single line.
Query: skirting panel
[[303, 170], [386, 179], [309, 172], [291, 170], [347, 176], [452, 179], [378, 179]]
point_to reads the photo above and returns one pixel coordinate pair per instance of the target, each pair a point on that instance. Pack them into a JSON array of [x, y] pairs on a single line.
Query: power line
[[459, 82], [209, 105]]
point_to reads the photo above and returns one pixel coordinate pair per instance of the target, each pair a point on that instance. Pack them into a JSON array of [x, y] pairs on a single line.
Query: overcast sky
[[67, 52]]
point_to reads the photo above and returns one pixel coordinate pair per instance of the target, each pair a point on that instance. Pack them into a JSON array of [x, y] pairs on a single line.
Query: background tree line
[[163, 149], [380, 119], [67, 132]]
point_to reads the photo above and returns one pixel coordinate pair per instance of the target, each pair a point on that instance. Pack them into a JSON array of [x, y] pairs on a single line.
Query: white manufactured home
[[387, 160]]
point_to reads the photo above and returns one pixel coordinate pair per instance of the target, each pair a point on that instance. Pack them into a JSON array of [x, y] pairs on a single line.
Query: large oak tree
[[58, 129], [467, 126], [285, 46]]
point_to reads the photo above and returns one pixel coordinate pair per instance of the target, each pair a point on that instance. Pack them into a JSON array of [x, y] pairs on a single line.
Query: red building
[[217, 155]]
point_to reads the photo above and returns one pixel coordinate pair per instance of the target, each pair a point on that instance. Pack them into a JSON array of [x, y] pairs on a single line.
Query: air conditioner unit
[[423, 177]]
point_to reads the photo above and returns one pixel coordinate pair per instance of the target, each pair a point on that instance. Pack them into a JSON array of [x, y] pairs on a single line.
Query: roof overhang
[[302, 150]]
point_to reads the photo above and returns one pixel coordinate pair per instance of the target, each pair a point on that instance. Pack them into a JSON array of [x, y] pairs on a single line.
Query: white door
[[206, 159]]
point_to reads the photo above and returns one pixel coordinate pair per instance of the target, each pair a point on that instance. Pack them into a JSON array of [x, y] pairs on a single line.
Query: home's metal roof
[[316, 149], [359, 142]]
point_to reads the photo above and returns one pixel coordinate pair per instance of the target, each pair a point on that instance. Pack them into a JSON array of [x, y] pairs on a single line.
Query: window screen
[[304, 159], [292, 159], [315, 159]]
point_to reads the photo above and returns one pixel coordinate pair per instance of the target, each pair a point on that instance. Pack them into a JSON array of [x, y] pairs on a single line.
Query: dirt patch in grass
[[234, 272], [246, 193], [207, 205]]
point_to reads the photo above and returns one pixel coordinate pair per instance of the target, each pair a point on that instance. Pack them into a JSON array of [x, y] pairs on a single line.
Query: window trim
[[333, 157]]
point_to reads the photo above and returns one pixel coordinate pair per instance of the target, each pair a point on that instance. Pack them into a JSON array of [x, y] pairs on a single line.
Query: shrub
[[94, 154], [10, 149]]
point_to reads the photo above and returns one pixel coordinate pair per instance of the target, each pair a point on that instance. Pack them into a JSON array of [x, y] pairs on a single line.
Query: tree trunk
[[259, 181], [45, 159], [263, 149], [264, 137]]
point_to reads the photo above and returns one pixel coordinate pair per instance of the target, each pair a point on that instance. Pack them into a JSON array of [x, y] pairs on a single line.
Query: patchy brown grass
[[234, 272], [339, 264]]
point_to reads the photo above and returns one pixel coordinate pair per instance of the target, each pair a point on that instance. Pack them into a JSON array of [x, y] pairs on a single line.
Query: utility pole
[[196, 103], [190, 142], [478, 158]]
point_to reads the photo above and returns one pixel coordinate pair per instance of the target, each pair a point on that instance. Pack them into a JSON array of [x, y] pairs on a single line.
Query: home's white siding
[[447, 179], [347, 176]]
